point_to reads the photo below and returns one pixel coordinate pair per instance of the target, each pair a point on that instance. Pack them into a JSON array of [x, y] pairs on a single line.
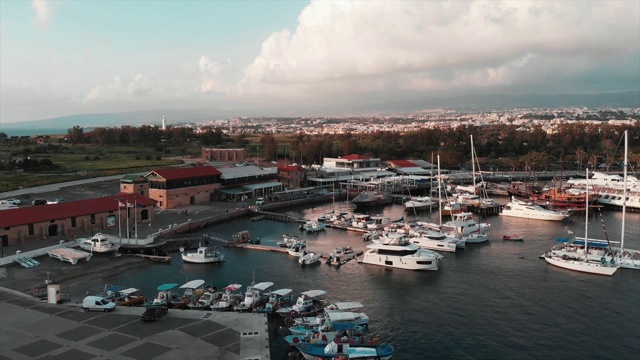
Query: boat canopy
[[114, 288], [314, 293], [128, 291], [263, 285], [342, 316], [165, 287], [193, 284], [347, 305], [282, 292], [233, 287]]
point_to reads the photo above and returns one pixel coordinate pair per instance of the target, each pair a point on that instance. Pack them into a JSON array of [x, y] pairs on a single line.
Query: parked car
[[153, 313], [39, 202], [97, 303], [260, 201], [10, 201]]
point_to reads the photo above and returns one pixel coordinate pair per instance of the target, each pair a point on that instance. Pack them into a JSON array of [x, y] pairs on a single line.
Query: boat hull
[[583, 266], [400, 262]]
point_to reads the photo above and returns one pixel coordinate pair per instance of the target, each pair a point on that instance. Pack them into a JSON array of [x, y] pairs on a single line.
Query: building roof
[[39, 213], [290, 168], [184, 173], [245, 171], [402, 163], [132, 178], [355, 157]]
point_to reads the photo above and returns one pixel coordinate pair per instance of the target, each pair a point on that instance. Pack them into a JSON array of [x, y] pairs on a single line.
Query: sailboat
[[581, 261], [626, 258]]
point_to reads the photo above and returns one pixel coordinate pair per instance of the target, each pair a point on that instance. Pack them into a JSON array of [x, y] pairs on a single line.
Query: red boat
[[512, 237]]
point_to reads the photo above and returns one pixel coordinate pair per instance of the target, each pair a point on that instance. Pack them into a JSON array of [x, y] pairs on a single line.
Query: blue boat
[[337, 349]]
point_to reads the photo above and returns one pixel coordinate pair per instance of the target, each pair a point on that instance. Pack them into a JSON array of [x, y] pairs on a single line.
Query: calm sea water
[[10, 131], [489, 301]]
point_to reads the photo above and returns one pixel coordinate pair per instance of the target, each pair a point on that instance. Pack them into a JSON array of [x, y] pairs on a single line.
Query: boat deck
[[69, 255]]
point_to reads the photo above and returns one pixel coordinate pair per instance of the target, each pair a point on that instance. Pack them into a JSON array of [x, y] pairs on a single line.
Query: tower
[[164, 123]]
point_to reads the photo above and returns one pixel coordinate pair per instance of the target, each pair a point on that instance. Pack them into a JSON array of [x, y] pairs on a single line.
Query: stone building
[[177, 187], [235, 155]]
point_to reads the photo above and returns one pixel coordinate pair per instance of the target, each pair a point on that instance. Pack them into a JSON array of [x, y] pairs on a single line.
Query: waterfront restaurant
[[72, 219]]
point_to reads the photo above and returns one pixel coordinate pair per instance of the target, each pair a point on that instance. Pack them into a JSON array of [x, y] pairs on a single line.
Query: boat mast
[[439, 193], [624, 188], [586, 222], [473, 166]]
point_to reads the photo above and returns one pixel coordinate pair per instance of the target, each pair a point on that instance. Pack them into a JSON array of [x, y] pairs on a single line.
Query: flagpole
[[135, 216], [128, 231], [119, 221]]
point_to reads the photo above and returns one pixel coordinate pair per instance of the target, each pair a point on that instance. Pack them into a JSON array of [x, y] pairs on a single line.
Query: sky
[[70, 57]]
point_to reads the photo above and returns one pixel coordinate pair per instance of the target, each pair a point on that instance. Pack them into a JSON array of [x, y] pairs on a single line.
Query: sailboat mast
[[473, 166], [624, 188], [439, 193], [586, 222]]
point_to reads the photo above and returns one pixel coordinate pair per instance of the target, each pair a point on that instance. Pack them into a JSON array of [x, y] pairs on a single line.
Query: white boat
[[463, 224], [99, 243], [288, 240], [203, 255], [328, 321], [312, 226], [583, 263], [613, 197], [310, 258], [475, 238], [419, 203], [529, 210], [600, 181], [338, 349], [432, 240], [277, 299], [252, 296], [205, 301], [230, 298], [308, 303], [395, 250], [298, 249]]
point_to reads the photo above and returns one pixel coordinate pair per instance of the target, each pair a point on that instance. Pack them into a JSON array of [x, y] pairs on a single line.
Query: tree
[[75, 135], [270, 147]]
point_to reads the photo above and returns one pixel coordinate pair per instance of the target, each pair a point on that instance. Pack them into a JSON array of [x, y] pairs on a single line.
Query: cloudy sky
[[70, 57]]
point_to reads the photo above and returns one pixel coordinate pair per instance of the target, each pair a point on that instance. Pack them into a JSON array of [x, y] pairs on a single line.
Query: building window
[[30, 229], [93, 218], [73, 221]]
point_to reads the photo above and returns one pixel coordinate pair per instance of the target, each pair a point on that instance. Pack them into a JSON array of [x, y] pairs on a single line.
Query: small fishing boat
[[298, 249], [230, 298], [310, 258], [512, 238], [346, 350], [204, 255], [287, 241]]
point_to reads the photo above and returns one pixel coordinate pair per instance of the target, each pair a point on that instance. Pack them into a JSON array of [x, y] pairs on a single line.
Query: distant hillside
[[629, 99]]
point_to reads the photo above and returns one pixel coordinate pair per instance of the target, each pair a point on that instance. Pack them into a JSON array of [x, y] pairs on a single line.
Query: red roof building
[[31, 223]]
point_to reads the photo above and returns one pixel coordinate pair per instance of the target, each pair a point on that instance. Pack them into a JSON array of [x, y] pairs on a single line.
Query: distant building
[[292, 177], [353, 162], [164, 123], [244, 182], [131, 184], [212, 154]]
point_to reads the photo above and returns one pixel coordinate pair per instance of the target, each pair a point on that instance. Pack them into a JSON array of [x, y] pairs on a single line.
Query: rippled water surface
[[491, 301]]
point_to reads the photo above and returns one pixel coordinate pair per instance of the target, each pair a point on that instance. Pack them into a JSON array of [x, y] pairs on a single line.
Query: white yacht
[[100, 243], [521, 209], [600, 181], [397, 251], [463, 224], [613, 197], [434, 240], [419, 203]]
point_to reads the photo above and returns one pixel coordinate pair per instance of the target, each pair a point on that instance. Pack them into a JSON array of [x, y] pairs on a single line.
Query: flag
[[120, 204], [129, 205], [139, 205]]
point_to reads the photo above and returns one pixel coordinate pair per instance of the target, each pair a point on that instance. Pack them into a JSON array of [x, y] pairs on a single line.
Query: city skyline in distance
[[293, 58]]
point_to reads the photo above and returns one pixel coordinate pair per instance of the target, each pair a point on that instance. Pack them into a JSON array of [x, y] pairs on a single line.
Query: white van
[[260, 201], [98, 303]]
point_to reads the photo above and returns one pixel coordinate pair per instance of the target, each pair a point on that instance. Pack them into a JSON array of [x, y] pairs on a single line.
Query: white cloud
[[44, 12], [139, 86], [341, 46]]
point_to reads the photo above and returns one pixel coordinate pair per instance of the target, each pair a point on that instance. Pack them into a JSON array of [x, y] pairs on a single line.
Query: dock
[[69, 255], [154, 258], [284, 250]]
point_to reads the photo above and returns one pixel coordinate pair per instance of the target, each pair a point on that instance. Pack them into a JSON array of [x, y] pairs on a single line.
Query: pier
[[284, 250]]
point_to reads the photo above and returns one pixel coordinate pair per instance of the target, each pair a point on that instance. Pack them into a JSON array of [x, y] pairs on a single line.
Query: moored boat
[[310, 258], [203, 255], [99, 243], [338, 349], [512, 237]]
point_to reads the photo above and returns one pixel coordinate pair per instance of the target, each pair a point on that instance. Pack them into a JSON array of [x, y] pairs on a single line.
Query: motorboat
[[276, 299], [419, 203], [191, 291], [600, 181], [474, 238], [310, 258], [287, 241], [312, 226], [341, 255], [330, 321], [346, 350], [203, 255], [432, 240], [397, 251], [308, 303], [252, 296], [165, 294], [530, 210], [206, 299], [370, 199], [230, 298], [463, 224], [129, 297], [298, 249], [512, 237], [99, 243]]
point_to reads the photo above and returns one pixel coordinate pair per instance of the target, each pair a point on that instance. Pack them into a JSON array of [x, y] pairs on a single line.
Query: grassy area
[[88, 161]]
